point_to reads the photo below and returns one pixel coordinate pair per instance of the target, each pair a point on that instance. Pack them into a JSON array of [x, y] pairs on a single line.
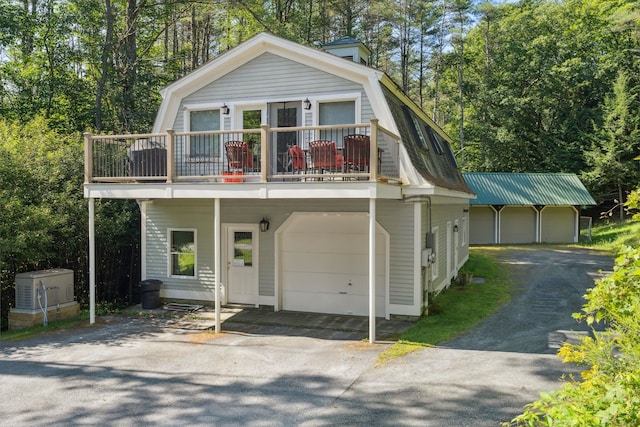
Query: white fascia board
[[346, 190], [437, 191], [245, 52]]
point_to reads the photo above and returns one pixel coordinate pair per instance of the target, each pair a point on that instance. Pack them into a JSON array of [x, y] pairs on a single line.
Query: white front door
[[242, 264]]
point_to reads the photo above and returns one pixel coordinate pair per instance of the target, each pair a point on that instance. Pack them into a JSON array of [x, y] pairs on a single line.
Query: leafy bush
[[608, 394]]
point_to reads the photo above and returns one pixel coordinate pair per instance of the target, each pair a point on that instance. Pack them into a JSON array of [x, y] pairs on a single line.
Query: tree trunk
[[104, 63], [130, 65]]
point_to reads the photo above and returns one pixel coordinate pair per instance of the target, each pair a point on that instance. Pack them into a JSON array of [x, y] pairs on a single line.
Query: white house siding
[[190, 214], [444, 218], [279, 73], [558, 224], [482, 225], [396, 217], [518, 224]]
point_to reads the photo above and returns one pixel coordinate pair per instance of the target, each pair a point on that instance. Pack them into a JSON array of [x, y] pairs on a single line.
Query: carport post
[[372, 270], [92, 261], [217, 257]]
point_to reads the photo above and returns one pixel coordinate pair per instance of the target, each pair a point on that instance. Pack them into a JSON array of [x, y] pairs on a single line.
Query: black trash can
[[150, 293]]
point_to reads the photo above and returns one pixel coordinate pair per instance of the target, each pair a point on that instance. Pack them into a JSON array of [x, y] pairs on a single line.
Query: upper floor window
[[204, 145], [336, 113]]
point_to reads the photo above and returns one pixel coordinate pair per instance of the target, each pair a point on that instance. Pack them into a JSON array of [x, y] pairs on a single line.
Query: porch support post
[[372, 270], [92, 262], [264, 152], [217, 258], [373, 151]]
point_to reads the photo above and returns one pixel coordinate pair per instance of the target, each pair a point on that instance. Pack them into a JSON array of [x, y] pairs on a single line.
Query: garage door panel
[[357, 284], [330, 242], [558, 224], [334, 304], [325, 265], [517, 225], [331, 263]]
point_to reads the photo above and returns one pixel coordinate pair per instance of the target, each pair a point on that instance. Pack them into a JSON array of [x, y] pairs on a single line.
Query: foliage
[[610, 235], [609, 390], [458, 308], [44, 215]]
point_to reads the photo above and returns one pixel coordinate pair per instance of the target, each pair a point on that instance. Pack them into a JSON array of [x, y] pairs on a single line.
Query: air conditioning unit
[[57, 282]]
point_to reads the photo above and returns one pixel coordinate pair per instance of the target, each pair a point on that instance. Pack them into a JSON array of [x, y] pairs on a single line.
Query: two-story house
[[283, 175]]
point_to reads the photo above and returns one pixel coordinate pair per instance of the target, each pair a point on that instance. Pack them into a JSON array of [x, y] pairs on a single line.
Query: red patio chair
[[297, 156], [238, 156], [324, 156], [357, 152]]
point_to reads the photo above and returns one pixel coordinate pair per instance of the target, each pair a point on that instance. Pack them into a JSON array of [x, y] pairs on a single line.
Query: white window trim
[[195, 253], [436, 239], [464, 231], [237, 110]]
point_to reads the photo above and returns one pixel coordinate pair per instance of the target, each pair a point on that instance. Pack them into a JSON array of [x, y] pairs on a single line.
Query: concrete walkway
[[265, 321]]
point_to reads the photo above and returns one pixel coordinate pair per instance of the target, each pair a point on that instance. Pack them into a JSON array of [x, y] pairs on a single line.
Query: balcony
[[344, 153]]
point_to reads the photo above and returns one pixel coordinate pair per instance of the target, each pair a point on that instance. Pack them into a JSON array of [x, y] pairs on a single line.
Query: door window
[[242, 249]]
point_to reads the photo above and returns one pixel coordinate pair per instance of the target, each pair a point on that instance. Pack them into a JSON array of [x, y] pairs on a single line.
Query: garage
[[324, 262], [530, 207]]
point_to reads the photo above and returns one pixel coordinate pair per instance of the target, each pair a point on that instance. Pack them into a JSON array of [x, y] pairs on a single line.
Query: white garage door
[[325, 264]]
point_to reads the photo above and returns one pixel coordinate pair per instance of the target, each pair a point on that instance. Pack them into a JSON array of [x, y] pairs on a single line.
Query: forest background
[[528, 86]]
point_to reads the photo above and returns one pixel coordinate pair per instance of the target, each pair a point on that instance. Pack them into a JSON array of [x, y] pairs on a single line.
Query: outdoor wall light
[[306, 104], [264, 225], [455, 228], [225, 109]]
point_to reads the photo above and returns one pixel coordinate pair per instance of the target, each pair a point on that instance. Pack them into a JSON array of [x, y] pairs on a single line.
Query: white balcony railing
[[335, 153]]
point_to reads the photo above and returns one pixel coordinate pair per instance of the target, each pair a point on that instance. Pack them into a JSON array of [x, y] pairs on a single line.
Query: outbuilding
[[525, 207]]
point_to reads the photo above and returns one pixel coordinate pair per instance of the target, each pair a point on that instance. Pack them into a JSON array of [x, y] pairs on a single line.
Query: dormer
[[349, 48]]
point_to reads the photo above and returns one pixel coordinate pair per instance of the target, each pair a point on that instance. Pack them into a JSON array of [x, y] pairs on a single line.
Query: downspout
[[429, 282]]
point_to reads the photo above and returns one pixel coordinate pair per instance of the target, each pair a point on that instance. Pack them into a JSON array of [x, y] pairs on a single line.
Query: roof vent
[[349, 48]]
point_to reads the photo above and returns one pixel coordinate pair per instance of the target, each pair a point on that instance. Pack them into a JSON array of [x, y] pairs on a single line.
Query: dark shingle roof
[[430, 153], [496, 188]]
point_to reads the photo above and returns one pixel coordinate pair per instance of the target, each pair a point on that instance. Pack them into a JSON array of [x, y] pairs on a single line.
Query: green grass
[[610, 235], [56, 325], [458, 308]]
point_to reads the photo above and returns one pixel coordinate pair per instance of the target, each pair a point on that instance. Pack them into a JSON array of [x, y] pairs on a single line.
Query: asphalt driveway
[[148, 371]]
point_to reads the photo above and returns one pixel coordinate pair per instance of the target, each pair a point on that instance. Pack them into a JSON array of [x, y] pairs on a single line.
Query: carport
[[525, 207]]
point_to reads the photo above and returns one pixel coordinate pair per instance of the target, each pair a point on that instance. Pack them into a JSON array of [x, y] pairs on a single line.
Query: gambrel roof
[[427, 162]]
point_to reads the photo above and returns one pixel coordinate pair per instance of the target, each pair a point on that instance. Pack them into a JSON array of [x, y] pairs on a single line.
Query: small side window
[[182, 253]]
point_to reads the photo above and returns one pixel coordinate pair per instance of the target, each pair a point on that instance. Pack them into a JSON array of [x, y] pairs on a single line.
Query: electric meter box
[[58, 284]]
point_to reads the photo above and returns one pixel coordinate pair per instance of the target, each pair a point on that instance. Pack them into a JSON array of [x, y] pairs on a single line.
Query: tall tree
[[617, 145]]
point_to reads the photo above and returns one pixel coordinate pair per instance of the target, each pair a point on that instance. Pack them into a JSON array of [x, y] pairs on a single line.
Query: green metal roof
[[495, 188]]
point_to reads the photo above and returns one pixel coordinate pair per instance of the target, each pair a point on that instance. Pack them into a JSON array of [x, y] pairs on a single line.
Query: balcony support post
[[373, 155], [217, 260], [264, 152], [88, 158], [92, 261], [170, 163]]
